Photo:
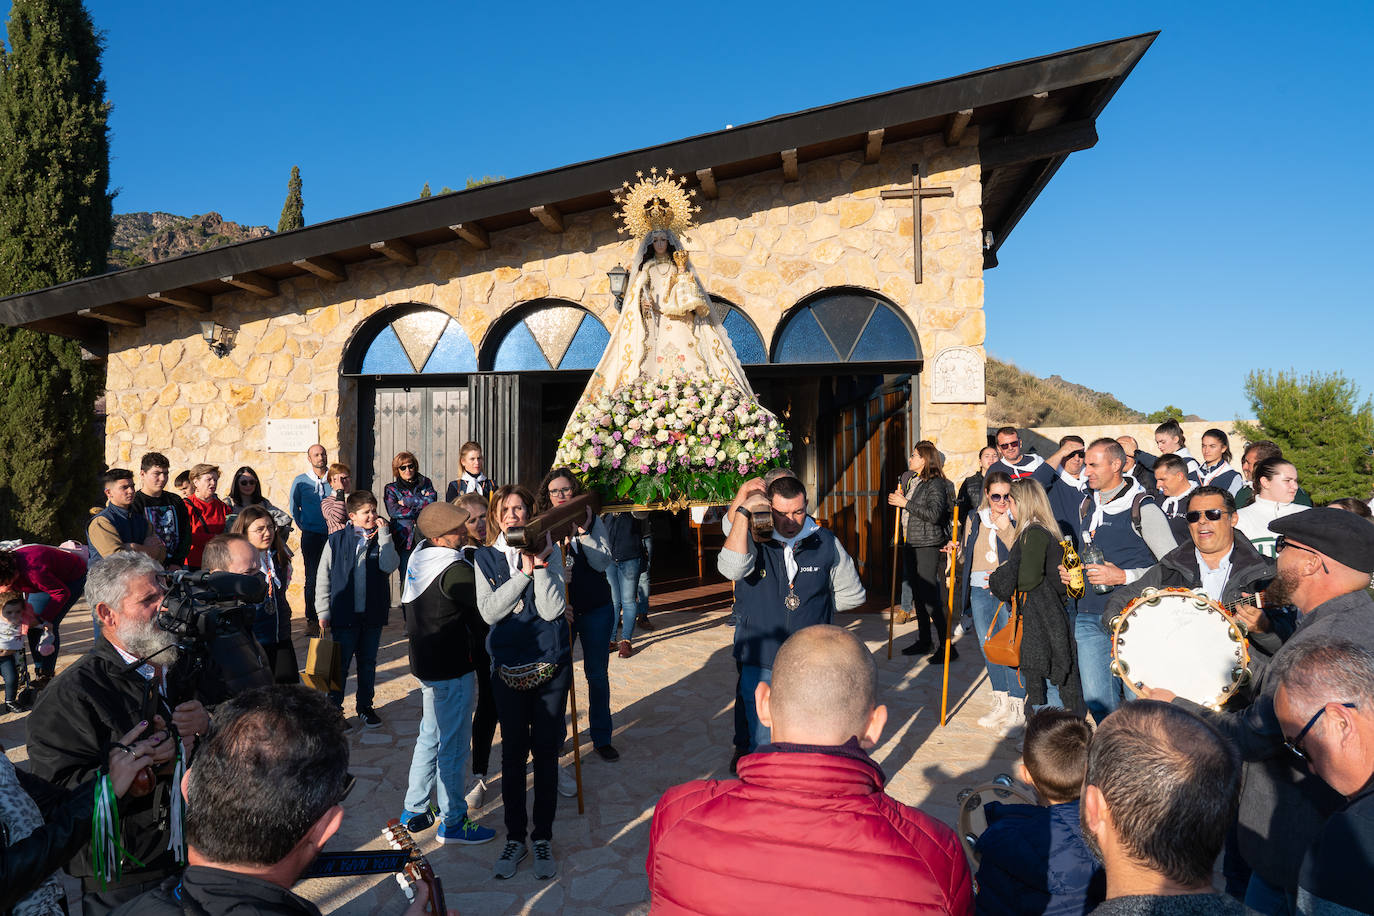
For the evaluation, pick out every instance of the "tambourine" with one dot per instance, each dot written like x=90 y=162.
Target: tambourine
x=1180 y=640
x=972 y=821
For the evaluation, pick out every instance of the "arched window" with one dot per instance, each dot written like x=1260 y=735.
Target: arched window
x=744 y=337
x=423 y=340
x=548 y=334
x=845 y=326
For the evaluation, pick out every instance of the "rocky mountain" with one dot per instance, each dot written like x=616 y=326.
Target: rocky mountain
x=1018 y=398
x=140 y=238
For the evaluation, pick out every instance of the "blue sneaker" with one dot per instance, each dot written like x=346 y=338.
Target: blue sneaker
x=466 y=834
x=415 y=821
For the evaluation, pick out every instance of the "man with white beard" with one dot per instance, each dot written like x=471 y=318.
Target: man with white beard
x=99 y=698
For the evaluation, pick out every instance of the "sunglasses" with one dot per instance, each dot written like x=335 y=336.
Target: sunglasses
x=1015 y=443
x=406 y=467
x=1295 y=746
x=1080 y=453
x=999 y=497
x=247 y=480
x=1196 y=515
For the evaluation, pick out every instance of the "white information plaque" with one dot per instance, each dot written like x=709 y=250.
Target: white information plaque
x=292 y=435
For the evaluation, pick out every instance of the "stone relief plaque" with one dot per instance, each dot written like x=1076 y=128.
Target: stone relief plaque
x=292 y=435
x=956 y=377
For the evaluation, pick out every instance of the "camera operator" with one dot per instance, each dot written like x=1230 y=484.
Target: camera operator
x=103 y=696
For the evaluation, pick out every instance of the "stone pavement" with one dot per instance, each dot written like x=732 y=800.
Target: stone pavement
x=671 y=705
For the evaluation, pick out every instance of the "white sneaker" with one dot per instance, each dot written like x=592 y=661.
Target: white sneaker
x=567 y=783
x=477 y=793
x=1014 y=722
x=998 y=712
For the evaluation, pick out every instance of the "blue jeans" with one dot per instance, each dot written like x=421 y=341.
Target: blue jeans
x=1101 y=688
x=624 y=578
x=987 y=618
x=438 y=764
x=9 y=670
x=362 y=642
x=750 y=676
x=46 y=665
x=594 y=629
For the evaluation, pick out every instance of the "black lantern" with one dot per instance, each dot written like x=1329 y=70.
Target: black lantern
x=220 y=338
x=618 y=277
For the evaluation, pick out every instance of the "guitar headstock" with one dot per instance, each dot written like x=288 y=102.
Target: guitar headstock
x=417 y=870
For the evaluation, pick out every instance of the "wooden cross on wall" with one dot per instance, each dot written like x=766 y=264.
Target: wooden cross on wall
x=916 y=193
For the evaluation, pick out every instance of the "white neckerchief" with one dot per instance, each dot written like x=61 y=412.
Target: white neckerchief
x=427 y=563
x=1209 y=472
x=1171 y=503
x=512 y=553
x=1212 y=582
x=1117 y=504
x=809 y=526
x=1026 y=469
x=469 y=484
x=1078 y=483
x=321 y=483
x=985 y=516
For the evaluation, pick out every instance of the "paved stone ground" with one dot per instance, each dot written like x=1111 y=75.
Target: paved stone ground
x=673 y=722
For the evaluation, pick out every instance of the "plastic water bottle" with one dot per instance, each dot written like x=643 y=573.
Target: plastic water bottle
x=1092 y=556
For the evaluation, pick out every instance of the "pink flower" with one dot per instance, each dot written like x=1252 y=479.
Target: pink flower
x=663 y=468
x=710 y=462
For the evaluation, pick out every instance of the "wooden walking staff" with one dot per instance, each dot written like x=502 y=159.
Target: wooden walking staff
x=577 y=740
x=949 y=621
x=892 y=608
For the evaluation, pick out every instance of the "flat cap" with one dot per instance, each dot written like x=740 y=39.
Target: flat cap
x=439 y=519
x=1343 y=536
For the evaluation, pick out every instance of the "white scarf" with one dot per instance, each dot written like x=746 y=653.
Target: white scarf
x=1078 y=483
x=1026 y=469
x=985 y=516
x=427 y=563
x=512 y=553
x=1172 y=502
x=1122 y=502
x=809 y=526
x=1208 y=473
x=469 y=484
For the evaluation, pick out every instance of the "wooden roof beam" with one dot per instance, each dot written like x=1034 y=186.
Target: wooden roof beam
x=261 y=286
x=193 y=300
x=707 y=178
x=122 y=315
x=398 y=250
x=1059 y=140
x=790 y=170
x=324 y=267
x=473 y=234
x=957 y=124
x=549 y=215
x=873 y=149
x=1026 y=110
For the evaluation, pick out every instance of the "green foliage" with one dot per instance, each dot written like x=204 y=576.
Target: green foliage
x=485 y=179
x=425 y=191
x=1167 y=412
x=1321 y=426
x=55 y=226
x=293 y=211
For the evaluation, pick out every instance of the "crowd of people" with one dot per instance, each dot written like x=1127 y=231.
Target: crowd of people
x=1138 y=799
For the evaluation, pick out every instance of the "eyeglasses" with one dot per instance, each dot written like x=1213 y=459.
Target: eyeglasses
x=1080 y=453
x=999 y=497
x=245 y=481
x=1295 y=746
x=1281 y=543
x=1015 y=443
x=406 y=467
x=1196 y=515
x=561 y=491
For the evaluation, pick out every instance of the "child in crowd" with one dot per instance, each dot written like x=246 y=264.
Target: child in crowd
x=11 y=644
x=353 y=593
x=1033 y=858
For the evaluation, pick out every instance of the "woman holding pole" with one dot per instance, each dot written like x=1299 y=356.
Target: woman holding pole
x=928 y=502
x=520 y=596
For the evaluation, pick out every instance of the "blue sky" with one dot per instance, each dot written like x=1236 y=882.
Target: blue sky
x=1214 y=229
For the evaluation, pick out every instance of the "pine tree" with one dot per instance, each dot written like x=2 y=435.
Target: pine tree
x=1322 y=428
x=425 y=191
x=293 y=211
x=55 y=226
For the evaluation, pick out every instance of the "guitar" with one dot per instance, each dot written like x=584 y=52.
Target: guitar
x=416 y=869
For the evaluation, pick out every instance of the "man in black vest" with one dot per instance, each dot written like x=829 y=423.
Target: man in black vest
x=1171 y=476
x=797 y=578
x=117 y=526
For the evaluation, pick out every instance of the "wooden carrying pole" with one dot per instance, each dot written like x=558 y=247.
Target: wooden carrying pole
x=892 y=608
x=577 y=740
x=949 y=620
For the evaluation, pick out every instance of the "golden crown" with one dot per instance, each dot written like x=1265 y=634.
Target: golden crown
x=656 y=202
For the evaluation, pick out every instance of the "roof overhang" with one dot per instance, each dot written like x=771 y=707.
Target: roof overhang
x=1030 y=116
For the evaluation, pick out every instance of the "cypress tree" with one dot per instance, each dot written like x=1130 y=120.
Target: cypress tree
x=293 y=211
x=55 y=226
x=425 y=191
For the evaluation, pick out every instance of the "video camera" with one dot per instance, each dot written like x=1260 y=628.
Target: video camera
x=211 y=616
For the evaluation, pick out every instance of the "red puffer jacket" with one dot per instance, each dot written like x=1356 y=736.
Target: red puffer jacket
x=802 y=831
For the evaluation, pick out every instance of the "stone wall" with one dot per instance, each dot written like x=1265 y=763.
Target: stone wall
x=1045 y=439
x=764 y=245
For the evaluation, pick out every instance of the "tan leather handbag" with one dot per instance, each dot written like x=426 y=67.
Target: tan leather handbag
x=1003 y=646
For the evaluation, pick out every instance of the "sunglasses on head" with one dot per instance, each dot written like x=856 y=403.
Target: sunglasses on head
x=1196 y=515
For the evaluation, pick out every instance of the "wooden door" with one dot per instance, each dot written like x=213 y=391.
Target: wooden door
x=431 y=422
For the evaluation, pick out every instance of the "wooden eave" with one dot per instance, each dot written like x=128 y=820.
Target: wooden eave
x=1034 y=112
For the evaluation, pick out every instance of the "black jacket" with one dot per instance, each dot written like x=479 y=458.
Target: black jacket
x=1048 y=647
x=1250 y=573
x=206 y=891
x=929 y=512
x=87 y=707
x=26 y=863
x=970 y=494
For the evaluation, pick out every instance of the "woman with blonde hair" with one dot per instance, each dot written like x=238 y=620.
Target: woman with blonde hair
x=1049 y=657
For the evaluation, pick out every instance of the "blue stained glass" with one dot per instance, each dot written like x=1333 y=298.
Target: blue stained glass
x=803 y=341
x=386 y=356
x=453 y=352
x=587 y=345
x=885 y=338
x=746 y=341
x=518 y=351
